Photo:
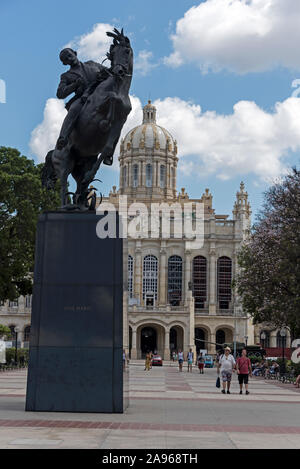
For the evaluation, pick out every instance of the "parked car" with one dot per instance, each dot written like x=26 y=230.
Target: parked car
x=157 y=360
x=208 y=361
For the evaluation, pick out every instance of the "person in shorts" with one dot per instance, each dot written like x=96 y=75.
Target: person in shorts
x=190 y=359
x=201 y=364
x=226 y=366
x=180 y=359
x=244 y=368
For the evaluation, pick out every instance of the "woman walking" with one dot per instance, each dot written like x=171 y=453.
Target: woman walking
x=180 y=359
x=148 y=361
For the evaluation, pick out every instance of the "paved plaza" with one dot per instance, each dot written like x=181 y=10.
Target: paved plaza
x=167 y=409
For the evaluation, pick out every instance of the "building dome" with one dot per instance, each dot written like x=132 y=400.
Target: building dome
x=149 y=135
x=148 y=160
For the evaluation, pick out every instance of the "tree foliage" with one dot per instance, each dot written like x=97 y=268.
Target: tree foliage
x=5 y=331
x=269 y=280
x=22 y=199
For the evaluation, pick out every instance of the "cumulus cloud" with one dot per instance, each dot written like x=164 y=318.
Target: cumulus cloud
x=238 y=35
x=250 y=140
x=143 y=63
x=44 y=136
x=93 y=45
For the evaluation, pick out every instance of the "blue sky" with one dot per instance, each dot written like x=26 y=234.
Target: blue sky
x=254 y=60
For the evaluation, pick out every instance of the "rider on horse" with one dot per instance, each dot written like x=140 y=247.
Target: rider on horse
x=81 y=79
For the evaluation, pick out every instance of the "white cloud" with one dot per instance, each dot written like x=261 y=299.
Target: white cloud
x=238 y=35
x=143 y=64
x=93 y=45
x=248 y=141
x=44 y=136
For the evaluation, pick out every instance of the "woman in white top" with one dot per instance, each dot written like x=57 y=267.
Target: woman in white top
x=226 y=365
x=180 y=359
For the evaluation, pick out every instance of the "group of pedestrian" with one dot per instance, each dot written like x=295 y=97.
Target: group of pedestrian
x=227 y=364
x=190 y=360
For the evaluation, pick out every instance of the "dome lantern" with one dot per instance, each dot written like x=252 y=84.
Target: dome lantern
x=149 y=113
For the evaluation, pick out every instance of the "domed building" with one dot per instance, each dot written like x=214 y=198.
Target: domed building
x=148 y=160
x=178 y=296
x=176 y=293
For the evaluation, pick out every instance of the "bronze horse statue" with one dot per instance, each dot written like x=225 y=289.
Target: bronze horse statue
x=97 y=129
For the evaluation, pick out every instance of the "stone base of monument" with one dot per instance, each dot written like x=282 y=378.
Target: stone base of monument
x=75 y=362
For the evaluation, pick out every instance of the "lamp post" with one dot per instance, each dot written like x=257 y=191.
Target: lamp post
x=16 y=330
x=283 y=336
x=263 y=337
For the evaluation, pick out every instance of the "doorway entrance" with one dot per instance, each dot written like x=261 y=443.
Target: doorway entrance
x=148 y=340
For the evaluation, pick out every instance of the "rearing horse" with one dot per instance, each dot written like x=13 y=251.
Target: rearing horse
x=97 y=129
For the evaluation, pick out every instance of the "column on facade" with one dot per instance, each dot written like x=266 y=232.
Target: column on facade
x=212 y=280
x=187 y=275
x=162 y=274
x=138 y=272
x=125 y=323
x=133 y=347
x=167 y=345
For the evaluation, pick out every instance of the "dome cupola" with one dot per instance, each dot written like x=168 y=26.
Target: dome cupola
x=148 y=160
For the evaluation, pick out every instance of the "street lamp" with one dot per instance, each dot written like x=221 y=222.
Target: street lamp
x=16 y=330
x=283 y=336
x=263 y=337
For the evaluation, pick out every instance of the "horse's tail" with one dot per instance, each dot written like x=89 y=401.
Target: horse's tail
x=49 y=177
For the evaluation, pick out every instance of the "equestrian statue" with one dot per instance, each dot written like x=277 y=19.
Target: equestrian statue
x=96 y=115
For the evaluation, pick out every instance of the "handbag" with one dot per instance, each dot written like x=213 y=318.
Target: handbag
x=218 y=382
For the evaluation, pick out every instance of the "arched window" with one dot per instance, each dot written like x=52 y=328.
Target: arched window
x=199 y=281
x=172 y=177
x=150 y=277
x=26 y=333
x=162 y=176
x=12 y=330
x=224 y=281
x=280 y=341
x=220 y=339
x=28 y=301
x=135 y=175
x=124 y=176
x=148 y=175
x=174 y=280
x=265 y=339
x=130 y=276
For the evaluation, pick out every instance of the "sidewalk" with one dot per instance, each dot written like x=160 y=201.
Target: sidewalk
x=167 y=409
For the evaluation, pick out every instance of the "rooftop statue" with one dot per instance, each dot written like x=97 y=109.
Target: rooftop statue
x=96 y=115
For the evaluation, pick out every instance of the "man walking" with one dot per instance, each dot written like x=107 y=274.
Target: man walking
x=190 y=359
x=226 y=365
x=243 y=365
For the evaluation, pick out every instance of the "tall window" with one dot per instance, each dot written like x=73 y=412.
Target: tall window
x=174 y=280
x=265 y=339
x=28 y=301
x=148 y=175
x=130 y=276
x=280 y=341
x=172 y=177
x=13 y=304
x=26 y=333
x=162 y=176
x=150 y=276
x=224 y=281
x=135 y=175
x=124 y=176
x=199 y=281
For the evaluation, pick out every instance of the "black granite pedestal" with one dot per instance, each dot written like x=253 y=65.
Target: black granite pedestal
x=75 y=362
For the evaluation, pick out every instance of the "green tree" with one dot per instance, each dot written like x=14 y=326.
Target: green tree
x=269 y=280
x=5 y=331
x=22 y=199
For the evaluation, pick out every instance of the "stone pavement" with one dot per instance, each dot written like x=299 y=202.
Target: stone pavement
x=167 y=409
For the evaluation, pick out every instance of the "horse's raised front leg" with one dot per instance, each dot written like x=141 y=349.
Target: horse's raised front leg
x=111 y=143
